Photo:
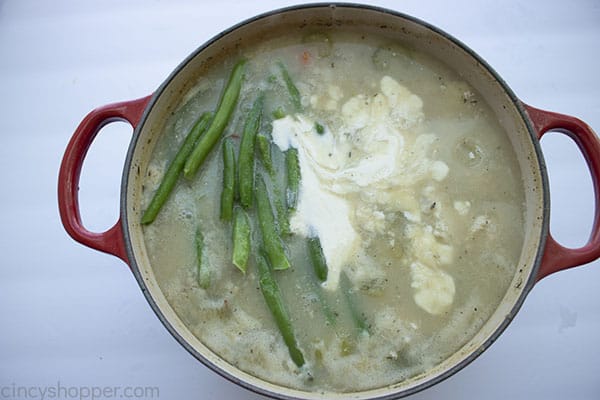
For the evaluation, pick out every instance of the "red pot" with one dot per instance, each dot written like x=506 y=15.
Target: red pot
x=524 y=124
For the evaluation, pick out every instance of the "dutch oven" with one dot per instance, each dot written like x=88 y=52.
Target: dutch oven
x=541 y=255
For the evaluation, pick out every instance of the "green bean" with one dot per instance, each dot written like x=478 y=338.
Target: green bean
x=319 y=128
x=330 y=315
x=291 y=87
x=274 y=300
x=203 y=271
x=359 y=318
x=241 y=238
x=246 y=156
x=228 y=193
x=293 y=177
x=328 y=312
x=283 y=218
x=268 y=228
x=222 y=115
x=264 y=150
x=170 y=178
x=317 y=258
x=315 y=252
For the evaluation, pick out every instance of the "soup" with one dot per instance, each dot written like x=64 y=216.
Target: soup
x=408 y=190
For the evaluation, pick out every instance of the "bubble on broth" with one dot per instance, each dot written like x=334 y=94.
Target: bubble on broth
x=470 y=153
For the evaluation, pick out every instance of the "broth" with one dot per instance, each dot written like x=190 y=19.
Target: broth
x=412 y=188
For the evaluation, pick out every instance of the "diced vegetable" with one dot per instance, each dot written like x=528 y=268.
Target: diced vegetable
x=382 y=57
x=319 y=128
x=278 y=113
x=388 y=56
x=347 y=347
x=219 y=122
x=321 y=41
x=170 y=178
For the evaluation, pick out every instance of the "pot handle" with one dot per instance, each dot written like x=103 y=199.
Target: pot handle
x=557 y=257
x=110 y=241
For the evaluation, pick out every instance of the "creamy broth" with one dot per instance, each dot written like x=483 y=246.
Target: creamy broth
x=412 y=187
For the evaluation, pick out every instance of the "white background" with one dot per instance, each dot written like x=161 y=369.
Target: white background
x=74 y=315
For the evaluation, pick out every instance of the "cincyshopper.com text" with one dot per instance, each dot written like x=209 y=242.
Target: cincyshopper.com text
x=71 y=392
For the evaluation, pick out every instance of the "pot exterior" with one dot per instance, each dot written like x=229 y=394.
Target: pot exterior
x=509 y=110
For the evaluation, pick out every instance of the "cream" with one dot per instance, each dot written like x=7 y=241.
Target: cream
x=366 y=155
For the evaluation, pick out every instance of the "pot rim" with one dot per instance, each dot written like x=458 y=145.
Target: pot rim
x=393 y=393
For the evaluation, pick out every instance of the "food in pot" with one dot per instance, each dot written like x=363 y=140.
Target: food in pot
x=355 y=221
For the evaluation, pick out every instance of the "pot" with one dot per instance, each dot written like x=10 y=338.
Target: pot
x=525 y=125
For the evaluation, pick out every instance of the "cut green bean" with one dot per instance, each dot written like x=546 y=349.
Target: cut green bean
x=293 y=177
x=222 y=116
x=315 y=251
x=228 y=193
x=246 y=156
x=319 y=128
x=266 y=221
x=328 y=312
x=241 y=239
x=274 y=300
x=203 y=271
x=291 y=87
x=170 y=178
x=264 y=151
x=283 y=217
x=358 y=317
